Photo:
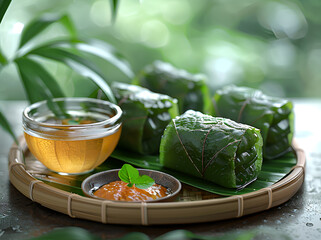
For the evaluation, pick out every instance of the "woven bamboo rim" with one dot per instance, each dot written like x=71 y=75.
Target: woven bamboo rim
x=77 y=206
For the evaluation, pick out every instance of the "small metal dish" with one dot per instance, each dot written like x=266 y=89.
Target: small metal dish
x=95 y=181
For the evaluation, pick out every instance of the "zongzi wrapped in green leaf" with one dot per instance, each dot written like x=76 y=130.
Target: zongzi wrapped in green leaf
x=216 y=149
x=189 y=89
x=145 y=116
x=273 y=116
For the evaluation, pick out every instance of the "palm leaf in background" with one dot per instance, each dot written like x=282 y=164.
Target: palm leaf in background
x=114 y=6
x=6 y=126
x=38 y=83
x=78 y=64
x=4 y=4
x=3 y=60
x=38 y=25
x=108 y=53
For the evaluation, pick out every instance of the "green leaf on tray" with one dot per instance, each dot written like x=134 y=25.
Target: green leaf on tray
x=272 y=171
x=64 y=187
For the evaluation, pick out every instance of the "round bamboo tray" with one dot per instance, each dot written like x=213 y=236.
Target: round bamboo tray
x=219 y=208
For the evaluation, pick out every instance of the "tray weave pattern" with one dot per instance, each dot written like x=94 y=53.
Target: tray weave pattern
x=194 y=205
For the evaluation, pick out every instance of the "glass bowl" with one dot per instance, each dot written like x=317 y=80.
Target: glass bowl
x=73 y=135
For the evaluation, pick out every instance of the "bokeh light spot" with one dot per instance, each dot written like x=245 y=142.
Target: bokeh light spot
x=176 y=12
x=154 y=34
x=283 y=20
x=100 y=13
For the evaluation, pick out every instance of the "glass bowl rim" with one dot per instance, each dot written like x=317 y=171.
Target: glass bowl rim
x=112 y=120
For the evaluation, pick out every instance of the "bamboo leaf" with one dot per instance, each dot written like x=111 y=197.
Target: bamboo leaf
x=69 y=25
x=114 y=7
x=3 y=59
x=4 y=4
x=78 y=64
x=108 y=53
x=95 y=47
x=38 y=83
x=6 y=126
x=38 y=25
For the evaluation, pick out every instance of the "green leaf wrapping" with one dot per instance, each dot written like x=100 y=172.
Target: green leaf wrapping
x=216 y=149
x=145 y=116
x=273 y=116
x=190 y=90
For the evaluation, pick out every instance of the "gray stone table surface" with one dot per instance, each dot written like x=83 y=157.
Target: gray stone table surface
x=299 y=218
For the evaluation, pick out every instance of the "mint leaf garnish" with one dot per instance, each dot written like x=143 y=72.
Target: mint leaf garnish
x=130 y=175
x=144 y=182
x=130 y=184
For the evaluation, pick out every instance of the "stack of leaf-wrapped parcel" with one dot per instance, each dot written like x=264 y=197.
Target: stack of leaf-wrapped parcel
x=189 y=89
x=226 y=147
x=145 y=116
x=273 y=116
x=215 y=149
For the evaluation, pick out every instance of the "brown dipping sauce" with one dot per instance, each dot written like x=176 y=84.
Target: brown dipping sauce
x=119 y=191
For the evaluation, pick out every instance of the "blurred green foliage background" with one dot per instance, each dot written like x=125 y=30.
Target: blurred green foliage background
x=274 y=45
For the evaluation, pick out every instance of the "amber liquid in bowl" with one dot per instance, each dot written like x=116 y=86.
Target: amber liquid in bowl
x=72 y=156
